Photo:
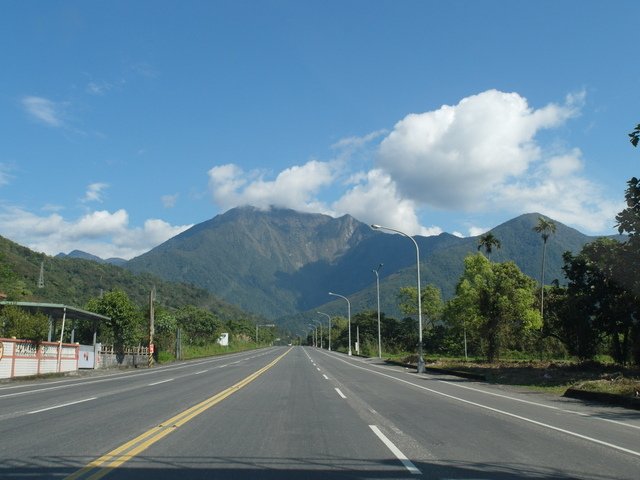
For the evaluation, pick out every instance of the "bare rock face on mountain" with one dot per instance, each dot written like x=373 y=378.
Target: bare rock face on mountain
x=250 y=255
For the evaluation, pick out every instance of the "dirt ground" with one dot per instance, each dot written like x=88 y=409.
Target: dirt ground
x=555 y=376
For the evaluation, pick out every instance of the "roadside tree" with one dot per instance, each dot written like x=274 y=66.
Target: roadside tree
x=200 y=326
x=126 y=325
x=498 y=302
x=599 y=277
x=545 y=228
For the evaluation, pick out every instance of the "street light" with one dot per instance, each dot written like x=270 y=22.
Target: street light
x=376 y=270
x=420 y=357
x=329 y=317
x=314 y=334
x=319 y=323
x=349 y=315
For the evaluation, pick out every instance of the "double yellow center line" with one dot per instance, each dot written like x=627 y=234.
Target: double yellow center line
x=101 y=466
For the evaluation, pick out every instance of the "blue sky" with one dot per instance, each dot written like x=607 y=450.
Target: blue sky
x=124 y=123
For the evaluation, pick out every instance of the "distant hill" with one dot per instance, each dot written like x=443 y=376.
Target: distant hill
x=87 y=256
x=282 y=263
x=73 y=281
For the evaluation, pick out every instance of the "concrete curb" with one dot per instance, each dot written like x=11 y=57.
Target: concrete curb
x=444 y=371
x=602 y=397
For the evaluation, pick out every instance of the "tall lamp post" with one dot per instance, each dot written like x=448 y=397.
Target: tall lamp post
x=329 y=318
x=314 y=334
x=420 y=357
x=319 y=323
x=376 y=271
x=349 y=315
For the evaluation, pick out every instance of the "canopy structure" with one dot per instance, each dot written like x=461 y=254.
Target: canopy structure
x=54 y=310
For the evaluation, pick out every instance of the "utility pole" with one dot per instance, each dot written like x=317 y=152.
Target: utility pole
x=152 y=298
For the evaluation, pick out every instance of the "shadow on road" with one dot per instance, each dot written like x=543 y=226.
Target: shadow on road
x=247 y=468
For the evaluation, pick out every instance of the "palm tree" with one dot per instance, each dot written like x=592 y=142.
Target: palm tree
x=545 y=227
x=488 y=241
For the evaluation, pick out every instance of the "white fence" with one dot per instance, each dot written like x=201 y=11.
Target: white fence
x=108 y=357
x=19 y=358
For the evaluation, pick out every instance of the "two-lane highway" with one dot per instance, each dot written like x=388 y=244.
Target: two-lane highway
x=303 y=413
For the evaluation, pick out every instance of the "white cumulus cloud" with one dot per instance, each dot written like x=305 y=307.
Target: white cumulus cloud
x=295 y=187
x=459 y=156
x=102 y=233
x=373 y=198
x=483 y=154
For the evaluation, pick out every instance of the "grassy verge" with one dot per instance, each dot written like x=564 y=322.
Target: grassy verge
x=626 y=387
x=190 y=352
x=547 y=376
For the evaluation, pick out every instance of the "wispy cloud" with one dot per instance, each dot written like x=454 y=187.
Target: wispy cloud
x=5 y=177
x=98 y=88
x=102 y=87
x=44 y=110
x=169 y=201
x=358 y=142
x=94 y=192
x=145 y=69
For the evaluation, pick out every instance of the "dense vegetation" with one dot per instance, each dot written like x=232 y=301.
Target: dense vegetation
x=120 y=295
x=497 y=312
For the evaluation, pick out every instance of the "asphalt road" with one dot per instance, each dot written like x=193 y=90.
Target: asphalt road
x=304 y=413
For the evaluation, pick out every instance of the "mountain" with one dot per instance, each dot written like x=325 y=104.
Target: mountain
x=280 y=263
x=87 y=256
x=264 y=261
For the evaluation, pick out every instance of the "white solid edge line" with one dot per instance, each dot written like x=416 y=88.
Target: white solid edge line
x=60 y=406
x=396 y=451
x=161 y=381
x=502 y=412
x=340 y=393
x=537 y=404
